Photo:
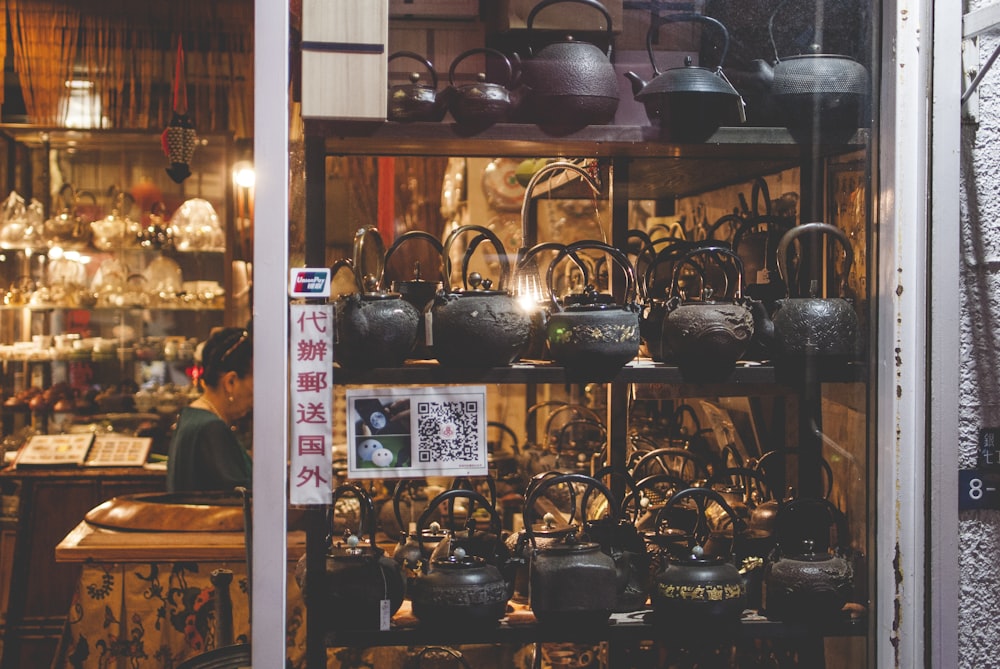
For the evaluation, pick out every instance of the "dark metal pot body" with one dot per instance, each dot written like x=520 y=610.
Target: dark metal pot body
x=359 y=576
x=815 y=326
x=572 y=582
x=808 y=577
x=481 y=103
x=415 y=101
x=819 y=94
x=707 y=338
x=479 y=326
x=413 y=287
x=803 y=584
x=460 y=591
x=688 y=103
x=594 y=334
x=699 y=594
x=374 y=330
x=546 y=534
x=572 y=83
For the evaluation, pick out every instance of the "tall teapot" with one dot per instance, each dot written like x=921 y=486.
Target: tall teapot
x=814 y=325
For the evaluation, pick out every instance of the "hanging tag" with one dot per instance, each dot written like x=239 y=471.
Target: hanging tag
x=429 y=328
x=384 y=615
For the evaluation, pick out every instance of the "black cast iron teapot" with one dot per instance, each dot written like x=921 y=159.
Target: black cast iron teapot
x=481 y=325
x=374 y=328
x=709 y=335
x=571 y=83
x=481 y=103
x=699 y=594
x=589 y=330
x=416 y=101
x=814 y=326
x=359 y=576
x=688 y=103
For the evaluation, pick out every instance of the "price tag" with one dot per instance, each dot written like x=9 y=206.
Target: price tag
x=384 y=614
x=978 y=489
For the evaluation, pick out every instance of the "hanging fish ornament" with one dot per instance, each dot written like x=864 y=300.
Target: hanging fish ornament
x=179 y=138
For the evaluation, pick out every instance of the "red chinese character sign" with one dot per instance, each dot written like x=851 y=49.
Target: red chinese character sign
x=416 y=432
x=311 y=403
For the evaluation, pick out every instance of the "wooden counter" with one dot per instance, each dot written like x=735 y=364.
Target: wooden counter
x=86 y=543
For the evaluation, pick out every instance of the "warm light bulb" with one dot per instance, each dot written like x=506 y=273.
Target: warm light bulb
x=244 y=174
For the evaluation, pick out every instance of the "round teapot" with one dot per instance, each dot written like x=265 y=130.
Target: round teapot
x=808 y=576
x=818 y=93
x=374 y=328
x=462 y=589
x=415 y=101
x=689 y=103
x=417 y=290
x=707 y=337
x=589 y=331
x=480 y=326
x=68 y=229
x=571 y=83
x=482 y=103
x=359 y=576
x=813 y=326
x=699 y=594
x=116 y=230
x=572 y=581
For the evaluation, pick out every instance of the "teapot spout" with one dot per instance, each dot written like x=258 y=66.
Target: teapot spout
x=637 y=82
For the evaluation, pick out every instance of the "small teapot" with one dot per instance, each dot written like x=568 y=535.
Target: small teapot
x=808 y=577
x=417 y=289
x=415 y=101
x=699 y=594
x=480 y=326
x=814 y=326
x=116 y=230
x=480 y=104
x=375 y=328
x=573 y=583
x=707 y=337
x=359 y=576
x=68 y=229
x=463 y=589
x=589 y=330
x=689 y=103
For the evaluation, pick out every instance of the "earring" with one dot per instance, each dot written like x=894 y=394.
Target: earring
x=230 y=398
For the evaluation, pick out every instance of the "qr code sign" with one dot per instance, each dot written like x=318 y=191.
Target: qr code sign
x=448 y=431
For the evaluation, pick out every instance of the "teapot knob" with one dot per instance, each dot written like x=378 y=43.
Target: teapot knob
x=459 y=553
x=435 y=527
x=697 y=552
x=475 y=279
x=414 y=77
x=353 y=541
x=549 y=519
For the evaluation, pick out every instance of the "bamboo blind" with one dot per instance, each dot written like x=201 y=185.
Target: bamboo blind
x=127 y=49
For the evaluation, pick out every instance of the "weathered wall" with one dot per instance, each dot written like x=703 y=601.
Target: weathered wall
x=979 y=560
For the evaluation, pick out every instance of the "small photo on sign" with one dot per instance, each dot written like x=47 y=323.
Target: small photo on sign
x=376 y=416
x=382 y=452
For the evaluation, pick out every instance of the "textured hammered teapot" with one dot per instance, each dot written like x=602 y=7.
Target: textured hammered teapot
x=815 y=326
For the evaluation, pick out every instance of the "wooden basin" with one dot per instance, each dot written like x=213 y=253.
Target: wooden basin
x=171 y=512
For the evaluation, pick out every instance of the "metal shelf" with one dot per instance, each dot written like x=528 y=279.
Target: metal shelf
x=623 y=627
x=658 y=168
x=746 y=378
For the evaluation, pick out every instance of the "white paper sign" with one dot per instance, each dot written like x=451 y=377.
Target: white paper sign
x=311 y=403
x=415 y=432
x=55 y=449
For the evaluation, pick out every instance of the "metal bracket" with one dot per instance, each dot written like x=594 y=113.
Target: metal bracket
x=970 y=70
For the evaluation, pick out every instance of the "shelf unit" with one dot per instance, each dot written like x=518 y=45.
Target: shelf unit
x=640 y=166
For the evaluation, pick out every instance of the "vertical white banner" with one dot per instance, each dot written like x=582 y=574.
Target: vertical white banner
x=311 y=403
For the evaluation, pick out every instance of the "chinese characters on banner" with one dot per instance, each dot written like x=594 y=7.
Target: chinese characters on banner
x=415 y=432
x=311 y=403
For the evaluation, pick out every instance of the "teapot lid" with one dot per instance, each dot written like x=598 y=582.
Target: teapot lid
x=590 y=298
x=459 y=560
x=698 y=557
x=352 y=548
x=688 y=79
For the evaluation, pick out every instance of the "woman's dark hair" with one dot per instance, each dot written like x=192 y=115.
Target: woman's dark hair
x=227 y=350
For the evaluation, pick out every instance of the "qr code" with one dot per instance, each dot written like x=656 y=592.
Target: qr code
x=448 y=431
